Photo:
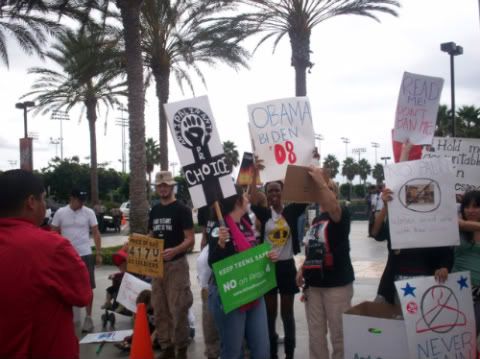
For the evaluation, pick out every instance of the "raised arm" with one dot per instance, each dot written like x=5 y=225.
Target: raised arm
x=326 y=196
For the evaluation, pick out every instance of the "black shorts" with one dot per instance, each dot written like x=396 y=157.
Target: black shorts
x=89 y=261
x=286 y=273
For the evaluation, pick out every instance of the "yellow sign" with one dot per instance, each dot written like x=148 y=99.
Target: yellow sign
x=145 y=255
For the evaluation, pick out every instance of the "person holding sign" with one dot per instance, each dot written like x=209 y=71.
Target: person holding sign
x=467 y=255
x=327 y=272
x=171 y=294
x=249 y=322
x=410 y=262
x=279 y=228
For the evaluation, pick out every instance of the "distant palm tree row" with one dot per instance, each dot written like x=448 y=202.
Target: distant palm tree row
x=350 y=169
x=164 y=37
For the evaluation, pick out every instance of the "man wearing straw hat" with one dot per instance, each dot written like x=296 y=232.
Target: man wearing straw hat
x=171 y=295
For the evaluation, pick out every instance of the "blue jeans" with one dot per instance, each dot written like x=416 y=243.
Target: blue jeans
x=236 y=326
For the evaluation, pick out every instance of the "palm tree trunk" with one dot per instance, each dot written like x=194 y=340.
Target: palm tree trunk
x=162 y=82
x=92 y=119
x=300 y=44
x=130 y=11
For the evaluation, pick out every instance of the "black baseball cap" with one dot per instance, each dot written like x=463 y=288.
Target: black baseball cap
x=80 y=194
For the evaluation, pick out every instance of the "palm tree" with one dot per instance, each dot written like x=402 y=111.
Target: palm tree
x=378 y=174
x=331 y=163
x=178 y=35
x=297 y=18
x=349 y=168
x=364 y=169
x=91 y=60
x=130 y=18
x=444 y=121
x=29 y=30
x=231 y=154
x=468 y=121
x=153 y=158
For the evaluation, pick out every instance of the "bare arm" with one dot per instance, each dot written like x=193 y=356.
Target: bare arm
x=98 y=244
x=387 y=195
x=326 y=197
x=405 y=152
x=468 y=226
x=255 y=198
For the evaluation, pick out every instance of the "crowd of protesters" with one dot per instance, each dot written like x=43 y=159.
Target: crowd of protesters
x=59 y=272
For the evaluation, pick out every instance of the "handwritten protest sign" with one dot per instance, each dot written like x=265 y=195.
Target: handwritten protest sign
x=439 y=317
x=423 y=212
x=145 y=255
x=129 y=290
x=244 y=277
x=282 y=134
x=417 y=108
x=299 y=186
x=106 y=337
x=465 y=156
x=200 y=150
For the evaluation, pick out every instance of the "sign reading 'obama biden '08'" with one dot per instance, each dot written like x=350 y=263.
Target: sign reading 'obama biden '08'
x=282 y=134
x=200 y=150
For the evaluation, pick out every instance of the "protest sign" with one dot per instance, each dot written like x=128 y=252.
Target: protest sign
x=299 y=186
x=129 y=290
x=465 y=156
x=145 y=255
x=417 y=108
x=106 y=337
x=282 y=134
x=439 y=317
x=423 y=212
x=244 y=277
x=200 y=151
x=247 y=168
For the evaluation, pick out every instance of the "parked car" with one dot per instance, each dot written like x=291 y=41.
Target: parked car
x=125 y=208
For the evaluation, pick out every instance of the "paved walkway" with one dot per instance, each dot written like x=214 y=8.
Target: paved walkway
x=368 y=258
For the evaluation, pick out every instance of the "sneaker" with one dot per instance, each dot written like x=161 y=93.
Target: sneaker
x=87 y=325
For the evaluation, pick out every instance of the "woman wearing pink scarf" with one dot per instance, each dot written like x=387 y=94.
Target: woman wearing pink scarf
x=249 y=322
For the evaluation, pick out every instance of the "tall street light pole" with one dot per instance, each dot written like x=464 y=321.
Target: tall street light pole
x=453 y=50
x=60 y=116
x=26 y=145
x=346 y=141
x=375 y=145
x=386 y=158
x=123 y=123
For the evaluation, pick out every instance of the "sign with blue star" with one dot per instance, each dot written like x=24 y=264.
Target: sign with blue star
x=462 y=282
x=436 y=314
x=409 y=290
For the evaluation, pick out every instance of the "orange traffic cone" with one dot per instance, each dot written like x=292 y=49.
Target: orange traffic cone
x=141 y=343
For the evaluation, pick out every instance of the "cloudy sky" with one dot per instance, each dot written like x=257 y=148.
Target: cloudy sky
x=353 y=86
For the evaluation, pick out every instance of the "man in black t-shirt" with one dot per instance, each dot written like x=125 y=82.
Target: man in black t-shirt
x=171 y=295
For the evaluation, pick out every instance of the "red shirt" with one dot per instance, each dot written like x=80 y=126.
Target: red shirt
x=41 y=278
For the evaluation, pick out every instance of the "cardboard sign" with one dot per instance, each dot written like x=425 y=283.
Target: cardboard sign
x=282 y=134
x=145 y=255
x=417 y=109
x=465 y=156
x=247 y=169
x=200 y=151
x=106 y=337
x=129 y=290
x=423 y=212
x=299 y=186
x=439 y=317
x=244 y=277
x=374 y=330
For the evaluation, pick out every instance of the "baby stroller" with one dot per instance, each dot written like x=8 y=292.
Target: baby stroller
x=111 y=305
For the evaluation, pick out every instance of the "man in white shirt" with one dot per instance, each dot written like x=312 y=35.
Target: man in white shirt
x=74 y=221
